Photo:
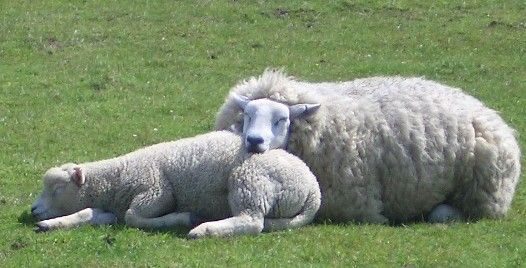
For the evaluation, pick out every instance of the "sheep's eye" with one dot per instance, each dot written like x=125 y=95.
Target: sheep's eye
x=58 y=190
x=247 y=117
x=279 y=121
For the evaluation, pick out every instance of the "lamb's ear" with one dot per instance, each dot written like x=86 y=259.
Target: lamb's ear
x=241 y=101
x=302 y=110
x=78 y=176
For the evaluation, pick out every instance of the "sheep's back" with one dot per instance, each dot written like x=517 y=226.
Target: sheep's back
x=390 y=144
x=408 y=143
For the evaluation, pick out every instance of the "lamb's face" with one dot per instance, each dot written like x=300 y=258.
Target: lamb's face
x=266 y=123
x=60 y=195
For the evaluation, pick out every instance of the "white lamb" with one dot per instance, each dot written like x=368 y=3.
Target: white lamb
x=168 y=184
x=383 y=148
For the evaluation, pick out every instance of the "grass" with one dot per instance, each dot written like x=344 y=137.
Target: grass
x=86 y=80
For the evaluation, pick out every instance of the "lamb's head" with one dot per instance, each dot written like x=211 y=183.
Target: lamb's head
x=266 y=123
x=61 y=192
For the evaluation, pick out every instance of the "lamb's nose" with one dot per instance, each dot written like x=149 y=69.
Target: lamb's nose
x=254 y=140
x=33 y=209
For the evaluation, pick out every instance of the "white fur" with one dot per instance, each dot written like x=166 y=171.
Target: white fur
x=208 y=176
x=388 y=148
x=266 y=123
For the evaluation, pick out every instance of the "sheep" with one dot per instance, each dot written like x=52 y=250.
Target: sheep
x=384 y=149
x=208 y=177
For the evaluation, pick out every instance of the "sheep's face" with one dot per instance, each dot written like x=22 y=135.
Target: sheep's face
x=266 y=123
x=60 y=196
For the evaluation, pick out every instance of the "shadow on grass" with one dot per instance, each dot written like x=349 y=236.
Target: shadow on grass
x=391 y=223
x=179 y=232
x=27 y=219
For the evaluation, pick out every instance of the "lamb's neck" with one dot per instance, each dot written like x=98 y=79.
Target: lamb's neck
x=101 y=177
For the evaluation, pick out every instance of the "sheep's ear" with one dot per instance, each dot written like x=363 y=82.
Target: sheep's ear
x=302 y=110
x=241 y=101
x=78 y=176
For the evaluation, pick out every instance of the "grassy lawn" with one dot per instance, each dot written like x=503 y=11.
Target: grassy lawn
x=85 y=80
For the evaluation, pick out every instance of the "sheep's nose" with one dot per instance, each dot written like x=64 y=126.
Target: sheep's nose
x=34 y=211
x=254 y=140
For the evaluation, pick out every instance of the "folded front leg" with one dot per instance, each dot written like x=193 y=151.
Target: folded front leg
x=92 y=216
x=237 y=225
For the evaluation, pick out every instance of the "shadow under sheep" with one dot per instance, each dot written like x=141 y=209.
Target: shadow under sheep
x=26 y=219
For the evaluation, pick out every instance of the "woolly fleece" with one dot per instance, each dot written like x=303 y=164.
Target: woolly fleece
x=393 y=148
x=209 y=175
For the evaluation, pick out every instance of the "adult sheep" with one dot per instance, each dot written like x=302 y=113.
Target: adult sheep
x=383 y=148
x=168 y=184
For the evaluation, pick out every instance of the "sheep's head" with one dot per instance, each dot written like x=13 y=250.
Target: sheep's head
x=266 y=122
x=61 y=192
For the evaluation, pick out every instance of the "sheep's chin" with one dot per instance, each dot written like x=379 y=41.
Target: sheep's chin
x=258 y=149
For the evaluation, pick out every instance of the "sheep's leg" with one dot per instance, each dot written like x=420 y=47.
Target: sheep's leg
x=496 y=171
x=444 y=213
x=92 y=216
x=148 y=211
x=237 y=225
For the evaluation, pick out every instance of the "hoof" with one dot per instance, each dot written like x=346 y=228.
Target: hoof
x=200 y=231
x=444 y=213
x=193 y=236
x=41 y=227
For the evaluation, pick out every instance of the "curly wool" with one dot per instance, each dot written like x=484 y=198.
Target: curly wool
x=393 y=148
x=209 y=175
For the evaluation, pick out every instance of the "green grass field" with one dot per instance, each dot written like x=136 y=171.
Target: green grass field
x=87 y=80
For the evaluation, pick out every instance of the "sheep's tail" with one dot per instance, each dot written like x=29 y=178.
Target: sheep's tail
x=306 y=215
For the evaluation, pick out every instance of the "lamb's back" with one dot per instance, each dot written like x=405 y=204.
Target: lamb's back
x=194 y=169
x=197 y=170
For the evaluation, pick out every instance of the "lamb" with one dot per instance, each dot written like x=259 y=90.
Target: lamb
x=208 y=177
x=384 y=149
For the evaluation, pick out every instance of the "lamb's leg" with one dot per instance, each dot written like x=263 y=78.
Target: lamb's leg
x=162 y=222
x=237 y=225
x=148 y=211
x=92 y=216
x=307 y=214
x=444 y=213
